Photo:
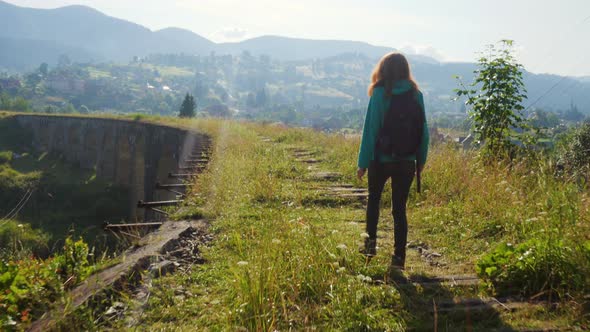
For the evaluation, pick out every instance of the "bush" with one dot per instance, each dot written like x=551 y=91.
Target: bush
x=5 y=157
x=28 y=287
x=574 y=151
x=73 y=264
x=496 y=98
x=538 y=266
x=21 y=240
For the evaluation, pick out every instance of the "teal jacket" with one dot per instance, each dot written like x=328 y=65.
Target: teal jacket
x=378 y=105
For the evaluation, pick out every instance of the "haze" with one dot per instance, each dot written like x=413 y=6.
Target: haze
x=550 y=35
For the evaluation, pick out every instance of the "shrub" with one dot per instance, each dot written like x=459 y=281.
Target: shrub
x=73 y=264
x=21 y=240
x=495 y=98
x=28 y=287
x=5 y=157
x=537 y=266
x=574 y=151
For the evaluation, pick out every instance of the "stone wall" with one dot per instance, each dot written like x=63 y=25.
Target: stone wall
x=133 y=154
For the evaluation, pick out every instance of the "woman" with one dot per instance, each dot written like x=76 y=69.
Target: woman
x=391 y=77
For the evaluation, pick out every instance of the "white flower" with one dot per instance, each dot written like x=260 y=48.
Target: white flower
x=341 y=246
x=242 y=263
x=276 y=241
x=365 y=235
x=364 y=278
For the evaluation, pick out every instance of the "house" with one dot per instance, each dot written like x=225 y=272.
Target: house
x=435 y=136
x=465 y=141
x=67 y=85
x=10 y=85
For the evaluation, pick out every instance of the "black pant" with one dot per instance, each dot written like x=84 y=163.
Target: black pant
x=402 y=175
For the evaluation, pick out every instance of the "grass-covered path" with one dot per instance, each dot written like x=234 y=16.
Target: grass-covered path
x=287 y=222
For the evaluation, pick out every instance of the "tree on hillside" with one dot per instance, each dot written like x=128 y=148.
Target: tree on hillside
x=63 y=61
x=496 y=98
x=261 y=98
x=44 y=69
x=187 y=109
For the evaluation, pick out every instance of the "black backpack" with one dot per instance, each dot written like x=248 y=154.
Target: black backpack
x=401 y=132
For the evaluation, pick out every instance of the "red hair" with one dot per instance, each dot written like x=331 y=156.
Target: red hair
x=393 y=67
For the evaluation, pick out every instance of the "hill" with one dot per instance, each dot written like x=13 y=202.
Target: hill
x=30 y=36
x=119 y=40
x=75 y=27
x=285 y=229
x=181 y=41
x=285 y=48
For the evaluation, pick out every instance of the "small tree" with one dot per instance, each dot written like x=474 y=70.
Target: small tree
x=187 y=109
x=574 y=151
x=495 y=98
x=44 y=69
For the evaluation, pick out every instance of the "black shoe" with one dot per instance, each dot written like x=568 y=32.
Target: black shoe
x=370 y=248
x=397 y=262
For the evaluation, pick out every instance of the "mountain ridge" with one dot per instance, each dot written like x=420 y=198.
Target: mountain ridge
x=119 y=40
x=30 y=36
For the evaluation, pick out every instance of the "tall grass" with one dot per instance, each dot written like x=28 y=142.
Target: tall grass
x=280 y=261
x=283 y=259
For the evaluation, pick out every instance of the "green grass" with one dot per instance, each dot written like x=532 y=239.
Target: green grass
x=167 y=71
x=285 y=258
x=97 y=73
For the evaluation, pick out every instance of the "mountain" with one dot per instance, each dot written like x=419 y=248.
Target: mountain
x=34 y=52
x=83 y=29
x=31 y=36
x=286 y=48
x=549 y=92
x=76 y=27
x=181 y=41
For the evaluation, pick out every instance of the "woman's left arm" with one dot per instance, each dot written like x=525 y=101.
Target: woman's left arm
x=370 y=129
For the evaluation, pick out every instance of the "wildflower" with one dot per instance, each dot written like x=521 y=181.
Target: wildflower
x=364 y=278
x=341 y=270
x=242 y=263
x=341 y=246
x=364 y=235
x=276 y=241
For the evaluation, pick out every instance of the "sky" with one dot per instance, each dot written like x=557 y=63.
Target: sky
x=550 y=36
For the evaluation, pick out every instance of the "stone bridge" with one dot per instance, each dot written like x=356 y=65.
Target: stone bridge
x=130 y=153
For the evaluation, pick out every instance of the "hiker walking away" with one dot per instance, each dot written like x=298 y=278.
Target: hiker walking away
x=394 y=145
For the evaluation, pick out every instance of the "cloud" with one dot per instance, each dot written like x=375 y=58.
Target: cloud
x=230 y=34
x=427 y=50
